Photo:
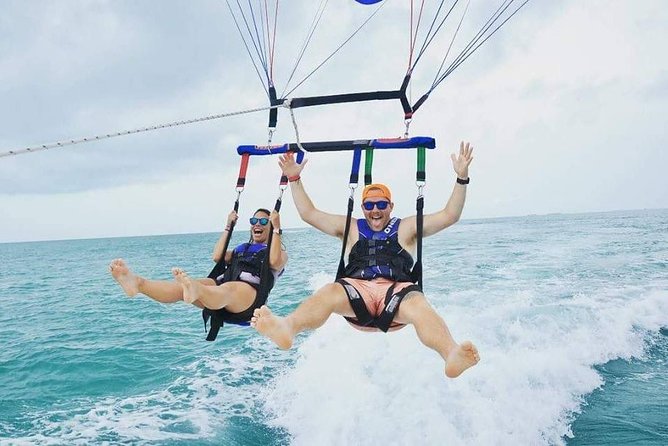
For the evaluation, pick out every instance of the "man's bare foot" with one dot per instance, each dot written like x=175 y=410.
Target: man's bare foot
x=461 y=358
x=273 y=327
x=128 y=280
x=190 y=290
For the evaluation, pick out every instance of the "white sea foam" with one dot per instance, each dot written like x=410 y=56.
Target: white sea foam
x=537 y=365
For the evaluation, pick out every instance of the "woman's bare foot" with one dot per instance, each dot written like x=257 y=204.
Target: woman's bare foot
x=461 y=358
x=273 y=327
x=190 y=287
x=128 y=280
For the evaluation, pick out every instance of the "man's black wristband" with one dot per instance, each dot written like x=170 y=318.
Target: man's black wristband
x=466 y=181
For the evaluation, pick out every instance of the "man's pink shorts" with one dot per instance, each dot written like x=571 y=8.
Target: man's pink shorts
x=373 y=292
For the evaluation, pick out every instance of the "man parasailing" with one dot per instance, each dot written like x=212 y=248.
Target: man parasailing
x=377 y=278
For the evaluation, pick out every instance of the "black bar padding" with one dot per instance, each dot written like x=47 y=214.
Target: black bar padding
x=408 y=110
x=345 y=98
x=420 y=102
x=273 y=113
x=404 y=83
x=331 y=146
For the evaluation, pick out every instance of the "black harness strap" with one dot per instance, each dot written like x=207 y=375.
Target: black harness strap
x=362 y=315
x=221 y=266
x=346 y=231
x=354 y=178
x=216 y=323
x=416 y=274
x=392 y=301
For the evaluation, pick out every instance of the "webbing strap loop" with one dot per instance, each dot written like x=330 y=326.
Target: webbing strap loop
x=368 y=166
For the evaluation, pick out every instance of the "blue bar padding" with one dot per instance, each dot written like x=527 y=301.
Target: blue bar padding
x=410 y=143
x=262 y=150
x=355 y=169
x=300 y=157
x=336 y=146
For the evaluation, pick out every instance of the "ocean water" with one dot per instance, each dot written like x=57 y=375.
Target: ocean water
x=570 y=313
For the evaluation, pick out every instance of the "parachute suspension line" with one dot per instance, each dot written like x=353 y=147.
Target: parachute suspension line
x=504 y=5
x=72 y=142
x=431 y=35
x=438 y=73
x=410 y=41
x=271 y=36
x=263 y=35
x=273 y=42
x=307 y=41
x=250 y=54
x=476 y=43
x=257 y=39
x=414 y=34
x=338 y=48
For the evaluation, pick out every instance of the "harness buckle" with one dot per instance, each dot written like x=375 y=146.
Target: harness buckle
x=352 y=187
x=420 y=185
x=407 y=123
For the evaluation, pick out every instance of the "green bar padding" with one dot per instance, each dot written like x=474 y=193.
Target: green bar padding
x=368 y=166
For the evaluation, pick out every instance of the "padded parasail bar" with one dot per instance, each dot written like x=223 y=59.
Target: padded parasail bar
x=336 y=146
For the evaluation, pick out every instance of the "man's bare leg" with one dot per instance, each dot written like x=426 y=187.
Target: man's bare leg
x=309 y=315
x=434 y=333
x=233 y=296
x=163 y=291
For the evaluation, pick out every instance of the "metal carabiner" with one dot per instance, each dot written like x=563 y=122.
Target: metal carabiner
x=420 y=185
x=407 y=123
x=352 y=187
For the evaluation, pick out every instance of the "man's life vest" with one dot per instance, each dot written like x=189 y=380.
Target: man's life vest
x=379 y=254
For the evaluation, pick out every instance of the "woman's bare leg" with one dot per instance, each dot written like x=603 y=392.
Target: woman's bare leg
x=233 y=296
x=164 y=291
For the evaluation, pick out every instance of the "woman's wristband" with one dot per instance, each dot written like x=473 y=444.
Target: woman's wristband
x=463 y=181
x=293 y=179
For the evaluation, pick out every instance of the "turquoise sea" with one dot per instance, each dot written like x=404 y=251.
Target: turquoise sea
x=570 y=313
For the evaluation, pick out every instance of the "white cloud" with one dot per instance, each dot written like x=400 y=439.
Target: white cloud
x=564 y=106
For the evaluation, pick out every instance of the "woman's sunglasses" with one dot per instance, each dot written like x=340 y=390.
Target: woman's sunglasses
x=263 y=221
x=381 y=205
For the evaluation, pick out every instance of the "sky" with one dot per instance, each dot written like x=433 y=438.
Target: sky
x=565 y=107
